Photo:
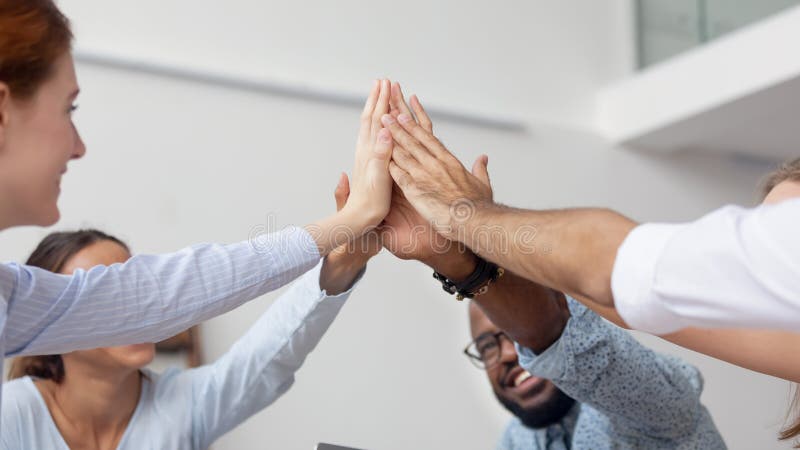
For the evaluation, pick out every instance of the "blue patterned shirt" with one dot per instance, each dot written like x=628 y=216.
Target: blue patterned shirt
x=628 y=396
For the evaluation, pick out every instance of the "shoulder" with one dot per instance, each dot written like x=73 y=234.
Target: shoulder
x=517 y=436
x=166 y=385
x=20 y=393
x=8 y=279
x=174 y=389
x=23 y=410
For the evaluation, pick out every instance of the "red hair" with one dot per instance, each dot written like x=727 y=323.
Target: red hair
x=33 y=34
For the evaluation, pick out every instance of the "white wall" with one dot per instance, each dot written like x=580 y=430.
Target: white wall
x=172 y=163
x=479 y=57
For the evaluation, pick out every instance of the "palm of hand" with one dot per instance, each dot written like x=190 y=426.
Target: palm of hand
x=406 y=234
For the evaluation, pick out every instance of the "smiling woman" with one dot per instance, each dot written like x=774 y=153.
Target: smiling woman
x=37 y=90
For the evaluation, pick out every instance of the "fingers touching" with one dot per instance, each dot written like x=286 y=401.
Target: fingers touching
x=381 y=106
x=398 y=103
x=376 y=106
x=366 y=114
x=399 y=106
x=422 y=116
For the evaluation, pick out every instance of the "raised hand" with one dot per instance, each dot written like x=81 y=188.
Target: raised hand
x=343 y=265
x=433 y=181
x=369 y=244
x=371 y=184
x=406 y=233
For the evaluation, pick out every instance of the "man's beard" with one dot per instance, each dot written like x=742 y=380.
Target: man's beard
x=551 y=411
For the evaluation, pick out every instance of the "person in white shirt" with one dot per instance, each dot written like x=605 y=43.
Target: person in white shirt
x=148 y=298
x=772 y=352
x=104 y=398
x=735 y=267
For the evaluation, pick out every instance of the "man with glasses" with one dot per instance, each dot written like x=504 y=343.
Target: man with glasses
x=578 y=382
x=597 y=387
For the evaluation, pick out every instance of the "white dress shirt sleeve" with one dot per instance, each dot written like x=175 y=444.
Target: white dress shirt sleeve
x=146 y=299
x=735 y=267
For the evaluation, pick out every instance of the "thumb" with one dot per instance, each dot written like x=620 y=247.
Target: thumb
x=383 y=146
x=480 y=170
x=342 y=191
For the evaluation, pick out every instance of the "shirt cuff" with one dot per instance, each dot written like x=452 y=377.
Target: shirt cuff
x=555 y=362
x=312 y=287
x=633 y=279
x=550 y=364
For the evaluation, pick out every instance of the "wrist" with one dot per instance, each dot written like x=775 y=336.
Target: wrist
x=456 y=264
x=480 y=225
x=350 y=255
x=340 y=270
x=359 y=218
x=350 y=226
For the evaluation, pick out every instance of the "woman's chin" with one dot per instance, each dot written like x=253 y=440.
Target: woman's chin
x=47 y=216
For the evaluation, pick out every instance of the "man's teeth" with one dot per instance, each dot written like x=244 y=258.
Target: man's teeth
x=521 y=377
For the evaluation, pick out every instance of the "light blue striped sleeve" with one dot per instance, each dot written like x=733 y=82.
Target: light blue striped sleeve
x=147 y=298
x=261 y=365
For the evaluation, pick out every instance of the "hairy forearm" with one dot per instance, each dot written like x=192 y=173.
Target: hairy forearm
x=534 y=316
x=571 y=251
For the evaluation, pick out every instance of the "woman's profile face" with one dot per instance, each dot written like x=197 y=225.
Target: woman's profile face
x=125 y=357
x=37 y=139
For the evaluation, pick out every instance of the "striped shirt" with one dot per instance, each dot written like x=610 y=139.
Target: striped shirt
x=146 y=299
x=190 y=409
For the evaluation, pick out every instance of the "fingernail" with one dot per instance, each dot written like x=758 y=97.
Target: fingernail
x=384 y=136
x=403 y=118
x=387 y=119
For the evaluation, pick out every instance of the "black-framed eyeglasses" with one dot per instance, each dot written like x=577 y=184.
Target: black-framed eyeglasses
x=485 y=351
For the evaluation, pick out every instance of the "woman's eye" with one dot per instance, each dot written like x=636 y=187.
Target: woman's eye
x=73 y=108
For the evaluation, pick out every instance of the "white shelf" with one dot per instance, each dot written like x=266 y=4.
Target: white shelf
x=739 y=94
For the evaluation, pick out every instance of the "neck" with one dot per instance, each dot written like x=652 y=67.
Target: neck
x=97 y=400
x=5 y=215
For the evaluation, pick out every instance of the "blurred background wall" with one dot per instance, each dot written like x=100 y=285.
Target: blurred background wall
x=204 y=120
